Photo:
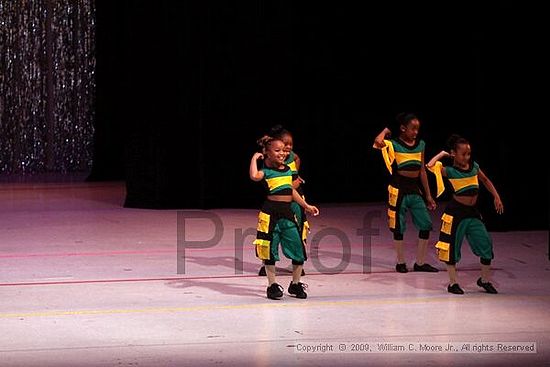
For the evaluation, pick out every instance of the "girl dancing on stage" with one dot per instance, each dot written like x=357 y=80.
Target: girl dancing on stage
x=293 y=161
x=461 y=217
x=276 y=221
x=404 y=158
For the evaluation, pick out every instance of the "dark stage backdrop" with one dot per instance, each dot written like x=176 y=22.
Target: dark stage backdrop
x=47 y=86
x=184 y=89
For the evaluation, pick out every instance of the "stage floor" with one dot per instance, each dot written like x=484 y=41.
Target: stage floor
x=86 y=282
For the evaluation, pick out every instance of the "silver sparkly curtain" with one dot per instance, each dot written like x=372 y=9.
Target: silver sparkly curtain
x=47 y=85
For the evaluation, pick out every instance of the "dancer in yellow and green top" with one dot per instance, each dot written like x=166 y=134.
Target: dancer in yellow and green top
x=408 y=189
x=461 y=217
x=293 y=161
x=276 y=221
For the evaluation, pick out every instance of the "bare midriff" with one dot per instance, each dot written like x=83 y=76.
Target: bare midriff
x=282 y=198
x=411 y=174
x=466 y=200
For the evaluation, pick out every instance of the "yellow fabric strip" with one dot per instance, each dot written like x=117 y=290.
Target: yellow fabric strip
x=262 y=248
x=276 y=182
x=460 y=183
x=402 y=158
x=393 y=193
x=436 y=170
x=442 y=250
x=446 y=223
x=260 y=242
x=292 y=166
x=388 y=154
x=305 y=230
x=391 y=219
x=263 y=222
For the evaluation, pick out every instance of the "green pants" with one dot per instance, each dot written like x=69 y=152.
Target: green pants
x=277 y=225
x=459 y=221
x=286 y=233
x=419 y=213
x=475 y=232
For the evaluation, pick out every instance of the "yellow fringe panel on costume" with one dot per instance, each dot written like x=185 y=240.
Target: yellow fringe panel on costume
x=305 y=230
x=393 y=193
x=442 y=250
x=446 y=223
x=436 y=170
x=262 y=248
x=391 y=218
x=263 y=222
x=388 y=154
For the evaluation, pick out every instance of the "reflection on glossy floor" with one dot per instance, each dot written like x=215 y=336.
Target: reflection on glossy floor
x=86 y=282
